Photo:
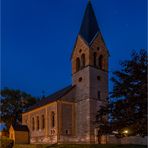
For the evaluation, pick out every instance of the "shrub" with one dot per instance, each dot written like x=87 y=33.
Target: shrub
x=6 y=143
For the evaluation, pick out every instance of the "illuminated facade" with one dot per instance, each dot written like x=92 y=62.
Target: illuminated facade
x=68 y=116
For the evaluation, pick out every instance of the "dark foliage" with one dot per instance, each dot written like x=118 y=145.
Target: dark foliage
x=130 y=94
x=13 y=103
x=6 y=143
x=102 y=119
x=128 y=108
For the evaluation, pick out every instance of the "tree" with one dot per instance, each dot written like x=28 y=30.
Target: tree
x=13 y=103
x=130 y=94
x=102 y=119
x=127 y=106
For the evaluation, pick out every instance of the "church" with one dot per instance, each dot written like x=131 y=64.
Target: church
x=68 y=115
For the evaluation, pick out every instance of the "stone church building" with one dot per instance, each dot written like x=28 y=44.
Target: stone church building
x=68 y=116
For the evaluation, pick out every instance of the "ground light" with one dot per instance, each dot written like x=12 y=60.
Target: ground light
x=125 y=131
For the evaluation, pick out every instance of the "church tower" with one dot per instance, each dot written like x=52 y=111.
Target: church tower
x=89 y=75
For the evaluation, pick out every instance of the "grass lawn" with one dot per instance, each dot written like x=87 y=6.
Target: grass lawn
x=80 y=146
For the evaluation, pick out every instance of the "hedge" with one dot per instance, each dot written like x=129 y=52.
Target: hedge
x=6 y=143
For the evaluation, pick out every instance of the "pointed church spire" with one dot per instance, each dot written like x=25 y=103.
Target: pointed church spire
x=89 y=27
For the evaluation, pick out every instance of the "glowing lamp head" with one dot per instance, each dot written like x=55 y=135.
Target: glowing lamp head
x=125 y=131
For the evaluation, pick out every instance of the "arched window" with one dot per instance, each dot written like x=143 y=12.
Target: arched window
x=99 y=95
x=95 y=56
x=26 y=121
x=78 y=64
x=38 y=124
x=101 y=66
x=33 y=124
x=83 y=60
x=52 y=119
x=43 y=122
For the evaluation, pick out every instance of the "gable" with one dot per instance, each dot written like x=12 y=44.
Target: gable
x=99 y=42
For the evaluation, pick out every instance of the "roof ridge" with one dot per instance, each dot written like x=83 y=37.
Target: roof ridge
x=58 y=90
x=51 y=98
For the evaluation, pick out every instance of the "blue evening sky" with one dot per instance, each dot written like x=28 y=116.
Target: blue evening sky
x=38 y=37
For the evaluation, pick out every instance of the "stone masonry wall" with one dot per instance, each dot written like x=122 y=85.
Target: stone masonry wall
x=111 y=139
x=89 y=80
x=82 y=106
x=48 y=134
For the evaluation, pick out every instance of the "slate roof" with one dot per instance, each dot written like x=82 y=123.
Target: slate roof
x=17 y=127
x=51 y=98
x=89 y=27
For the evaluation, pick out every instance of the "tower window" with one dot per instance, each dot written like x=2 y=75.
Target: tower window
x=101 y=62
x=77 y=64
x=83 y=60
x=52 y=119
x=98 y=48
x=95 y=56
x=98 y=77
x=99 y=88
x=99 y=96
x=80 y=79
x=80 y=50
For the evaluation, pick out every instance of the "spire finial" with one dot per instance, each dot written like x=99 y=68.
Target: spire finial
x=89 y=1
